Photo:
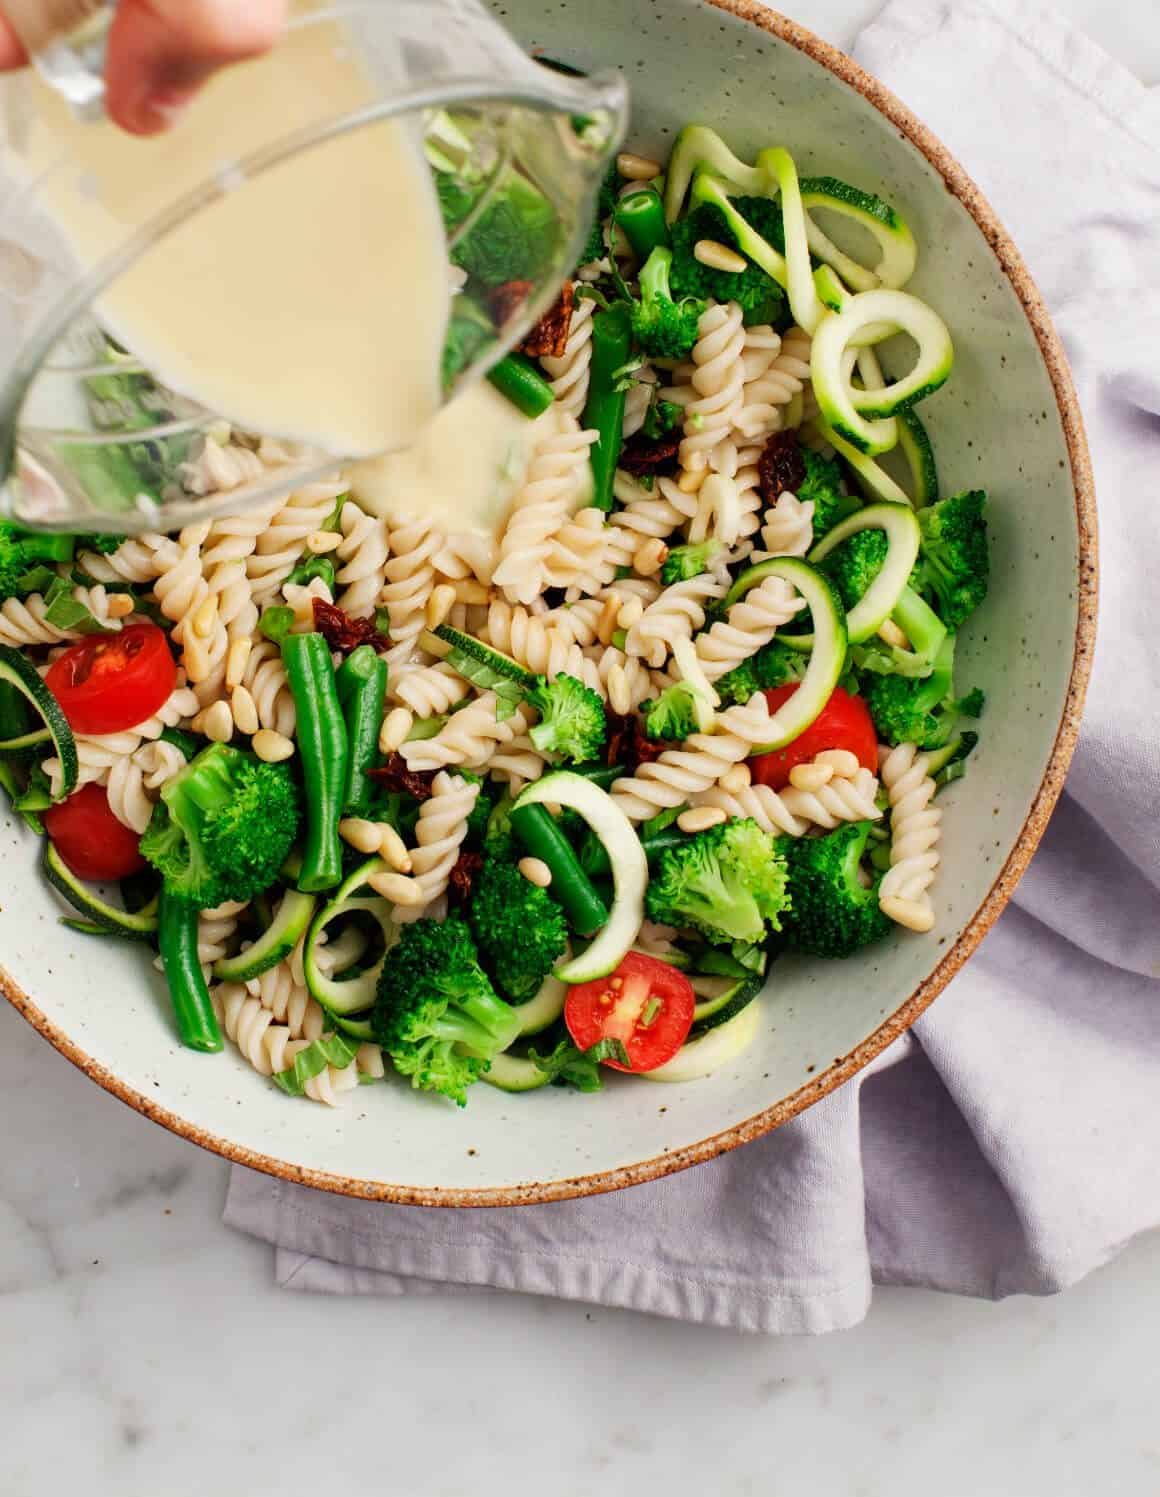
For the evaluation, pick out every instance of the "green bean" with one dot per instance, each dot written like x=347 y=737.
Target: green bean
x=604 y=409
x=641 y=215
x=594 y=857
x=518 y=378
x=362 y=689
x=323 y=751
x=197 y=1023
x=571 y=886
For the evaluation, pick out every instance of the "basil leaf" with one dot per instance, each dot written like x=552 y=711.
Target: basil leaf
x=327 y=1050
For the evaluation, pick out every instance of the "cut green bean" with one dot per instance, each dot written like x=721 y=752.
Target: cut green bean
x=518 y=378
x=197 y=1023
x=607 y=387
x=594 y=855
x=571 y=886
x=641 y=215
x=362 y=689
x=324 y=753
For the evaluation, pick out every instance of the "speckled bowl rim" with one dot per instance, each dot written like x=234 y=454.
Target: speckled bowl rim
x=1011 y=262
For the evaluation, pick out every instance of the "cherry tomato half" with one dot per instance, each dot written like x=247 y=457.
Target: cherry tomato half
x=645 y=1003
x=843 y=723
x=109 y=682
x=90 y=839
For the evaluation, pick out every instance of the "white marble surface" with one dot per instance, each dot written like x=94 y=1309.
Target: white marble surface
x=144 y=1349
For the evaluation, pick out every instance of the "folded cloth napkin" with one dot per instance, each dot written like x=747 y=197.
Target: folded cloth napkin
x=950 y=1163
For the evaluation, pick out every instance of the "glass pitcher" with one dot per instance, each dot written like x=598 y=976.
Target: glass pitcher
x=98 y=432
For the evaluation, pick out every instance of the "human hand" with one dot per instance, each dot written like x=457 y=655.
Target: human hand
x=160 y=51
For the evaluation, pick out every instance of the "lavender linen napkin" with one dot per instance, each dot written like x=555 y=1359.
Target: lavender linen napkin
x=950 y=1163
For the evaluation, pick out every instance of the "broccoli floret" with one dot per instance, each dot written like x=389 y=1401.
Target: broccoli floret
x=920 y=710
x=436 y=1013
x=759 y=296
x=773 y=665
x=823 y=488
x=468 y=332
x=664 y=328
x=831 y=914
x=519 y=928
x=499 y=840
x=663 y=417
x=572 y=724
x=223 y=827
x=23 y=550
x=595 y=248
x=852 y=567
x=515 y=238
x=678 y=711
x=954 y=565
x=729 y=883
x=689 y=561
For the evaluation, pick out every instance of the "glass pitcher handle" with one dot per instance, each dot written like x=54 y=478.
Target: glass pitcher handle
x=66 y=41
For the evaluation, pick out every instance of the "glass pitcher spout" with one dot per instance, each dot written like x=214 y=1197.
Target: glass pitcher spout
x=208 y=320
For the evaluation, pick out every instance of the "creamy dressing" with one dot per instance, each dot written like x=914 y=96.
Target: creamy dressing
x=464 y=469
x=312 y=303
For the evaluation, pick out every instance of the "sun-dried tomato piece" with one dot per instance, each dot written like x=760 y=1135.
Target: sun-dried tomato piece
x=395 y=775
x=505 y=300
x=628 y=745
x=781 y=467
x=640 y=456
x=461 y=879
x=344 y=634
x=549 y=337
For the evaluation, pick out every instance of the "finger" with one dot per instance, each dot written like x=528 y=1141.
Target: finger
x=12 y=53
x=162 y=51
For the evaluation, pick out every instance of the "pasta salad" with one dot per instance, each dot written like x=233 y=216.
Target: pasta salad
x=531 y=807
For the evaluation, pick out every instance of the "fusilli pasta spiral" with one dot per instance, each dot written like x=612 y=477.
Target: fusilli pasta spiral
x=439 y=834
x=915 y=828
x=718 y=381
x=469 y=736
x=569 y=373
x=792 y=812
x=677 y=614
x=751 y=623
x=552 y=490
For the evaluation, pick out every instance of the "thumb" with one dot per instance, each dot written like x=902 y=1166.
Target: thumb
x=162 y=51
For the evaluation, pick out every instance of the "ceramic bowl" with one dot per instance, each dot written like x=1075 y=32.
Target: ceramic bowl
x=1007 y=421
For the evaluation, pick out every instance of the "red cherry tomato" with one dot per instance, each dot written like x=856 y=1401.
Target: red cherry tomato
x=109 y=682
x=645 y=1003
x=90 y=839
x=843 y=723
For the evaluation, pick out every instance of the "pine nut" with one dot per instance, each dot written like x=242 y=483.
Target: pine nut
x=205 y=616
x=634 y=168
x=606 y=623
x=908 y=912
x=810 y=777
x=237 y=660
x=195 y=658
x=536 y=871
x=701 y=818
x=396 y=888
x=691 y=480
x=844 y=764
x=734 y=780
x=119 y=606
x=244 y=710
x=362 y=835
x=393 y=849
x=322 y=541
x=891 y=634
x=471 y=591
x=271 y=747
x=650 y=557
x=396 y=725
x=219 y=723
x=619 y=696
x=439 y=605
x=719 y=256
x=631 y=612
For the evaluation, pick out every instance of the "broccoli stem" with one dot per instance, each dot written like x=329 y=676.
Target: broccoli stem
x=518 y=378
x=604 y=409
x=324 y=752
x=571 y=886
x=197 y=1023
x=641 y=215
x=362 y=689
